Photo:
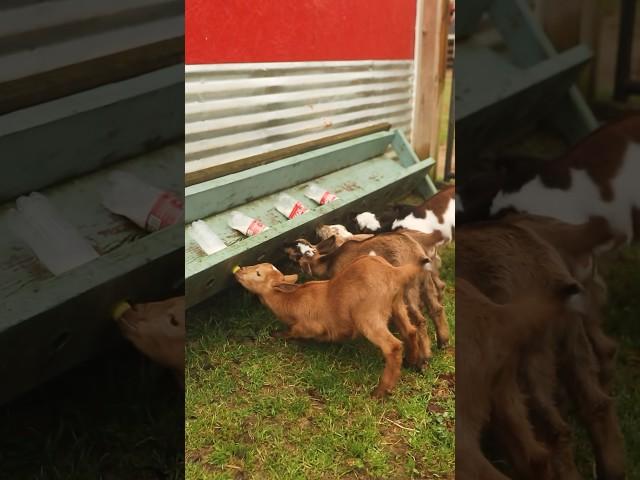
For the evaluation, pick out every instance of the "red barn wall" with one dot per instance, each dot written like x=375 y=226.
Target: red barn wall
x=235 y=31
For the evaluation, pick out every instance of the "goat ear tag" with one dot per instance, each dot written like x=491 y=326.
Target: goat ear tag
x=235 y=269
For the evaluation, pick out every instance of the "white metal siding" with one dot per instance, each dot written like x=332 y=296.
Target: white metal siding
x=234 y=111
x=42 y=35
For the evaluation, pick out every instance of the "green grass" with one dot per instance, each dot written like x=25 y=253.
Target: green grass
x=115 y=418
x=258 y=407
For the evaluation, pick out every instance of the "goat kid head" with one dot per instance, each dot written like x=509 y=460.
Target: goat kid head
x=264 y=278
x=307 y=255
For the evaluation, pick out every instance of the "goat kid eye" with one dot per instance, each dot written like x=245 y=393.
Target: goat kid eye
x=258 y=273
x=173 y=321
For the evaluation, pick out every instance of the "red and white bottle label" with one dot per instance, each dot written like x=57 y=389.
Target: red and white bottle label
x=326 y=198
x=167 y=210
x=255 y=227
x=298 y=209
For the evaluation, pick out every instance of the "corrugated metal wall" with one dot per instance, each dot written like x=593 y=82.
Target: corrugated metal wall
x=234 y=111
x=41 y=35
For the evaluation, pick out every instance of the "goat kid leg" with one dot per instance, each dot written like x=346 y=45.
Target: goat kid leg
x=527 y=455
x=378 y=334
x=595 y=407
x=436 y=311
x=412 y=297
x=471 y=463
x=409 y=333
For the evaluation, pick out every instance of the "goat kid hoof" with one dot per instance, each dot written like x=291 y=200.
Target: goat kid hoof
x=443 y=345
x=379 y=393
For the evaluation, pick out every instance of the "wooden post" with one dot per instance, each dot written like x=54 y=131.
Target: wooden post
x=432 y=18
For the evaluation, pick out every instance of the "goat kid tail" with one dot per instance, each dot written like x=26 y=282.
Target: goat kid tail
x=409 y=271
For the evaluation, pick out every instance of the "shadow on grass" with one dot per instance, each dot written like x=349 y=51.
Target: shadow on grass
x=116 y=417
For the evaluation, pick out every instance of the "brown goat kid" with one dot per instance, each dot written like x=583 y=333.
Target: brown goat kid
x=506 y=260
x=490 y=338
x=157 y=329
x=398 y=248
x=344 y=307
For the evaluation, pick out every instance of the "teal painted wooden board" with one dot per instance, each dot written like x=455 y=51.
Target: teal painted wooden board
x=360 y=184
x=503 y=88
x=495 y=98
x=50 y=323
x=79 y=201
x=226 y=192
x=120 y=118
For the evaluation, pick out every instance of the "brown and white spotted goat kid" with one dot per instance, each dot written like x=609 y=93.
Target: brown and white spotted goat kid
x=437 y=213
x=343 y=308
x=597 y=178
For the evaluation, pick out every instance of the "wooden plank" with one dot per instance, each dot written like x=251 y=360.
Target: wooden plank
x=216 y=171
x=47 y=86
x=430 y=64
x=223 y=193
x=86 y=131
x=504 y=92
x=79 y=202
x=529 y=45
x=62 y=322
x=407 y=157
x=208 y=275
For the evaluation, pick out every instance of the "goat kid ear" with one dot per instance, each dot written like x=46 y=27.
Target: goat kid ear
x=291 y=278
x=286 y=287
x=327 y=246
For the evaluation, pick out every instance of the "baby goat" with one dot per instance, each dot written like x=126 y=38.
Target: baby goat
x=490 y=339
x=437 y=213
x=325 y=260
x=344 y=307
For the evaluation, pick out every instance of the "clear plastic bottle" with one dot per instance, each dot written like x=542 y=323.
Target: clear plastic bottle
x=318 y=194
x=289 y=206
x=246 y=225
x=145 y=205
x=206 y=238
x=55 y=241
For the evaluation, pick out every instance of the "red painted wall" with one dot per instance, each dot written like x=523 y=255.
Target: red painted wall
x=229 y=31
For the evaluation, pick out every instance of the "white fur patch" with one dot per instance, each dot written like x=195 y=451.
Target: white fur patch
x=341 y=231
x=427 y=267
x=430 y=223
x=578 y=303
x=369 y=221
x=372 y=253
x=305 y=249
x=459 y=205
x=582 y=200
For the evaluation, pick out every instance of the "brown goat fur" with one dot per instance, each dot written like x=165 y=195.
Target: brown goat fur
x=325 y=260
x=504 y=260
x=157 y=329
x=490 y=339
x=344 y=307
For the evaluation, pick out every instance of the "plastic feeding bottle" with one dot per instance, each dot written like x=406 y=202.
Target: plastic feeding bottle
x=145 y=205
x=120 y=309
x=56 y=243
x=206 y=238
x=246 y=225
x=289 y=206
x=318 y=194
